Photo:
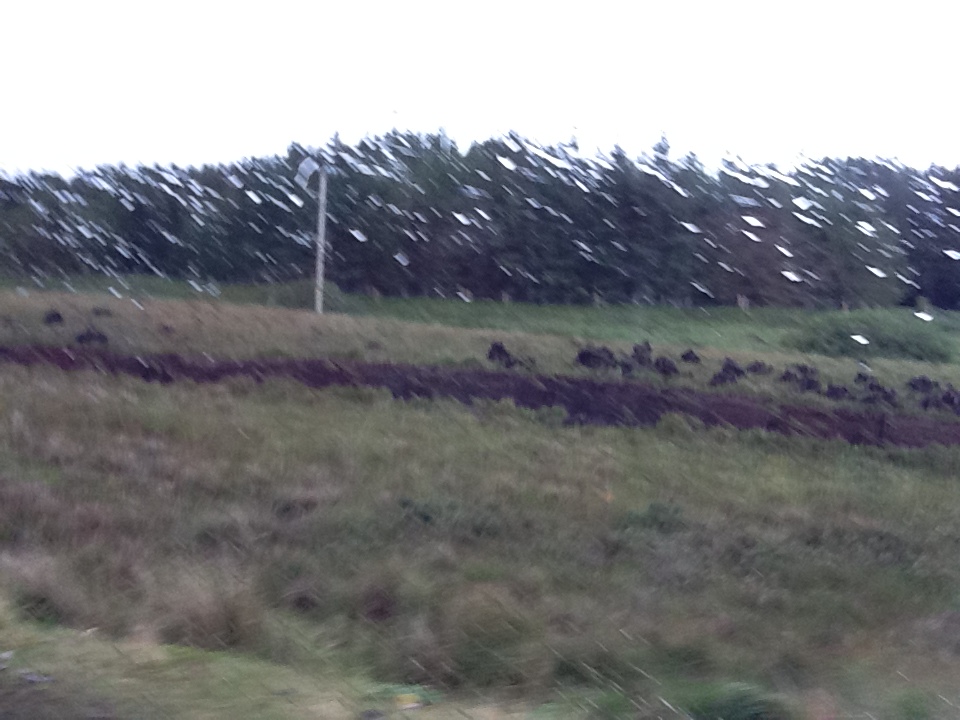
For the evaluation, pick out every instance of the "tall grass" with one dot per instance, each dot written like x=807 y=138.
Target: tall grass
x=888 y=334
x=484 y=549
x=728 y=328
x=492 y=550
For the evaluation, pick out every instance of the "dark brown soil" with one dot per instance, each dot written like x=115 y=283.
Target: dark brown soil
x=587 y=401
x=22 y=701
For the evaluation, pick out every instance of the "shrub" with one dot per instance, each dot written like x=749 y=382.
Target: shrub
x=890 y=336
x=490 y=639
x=213 y=613
x=42 y=590
x=734 y=701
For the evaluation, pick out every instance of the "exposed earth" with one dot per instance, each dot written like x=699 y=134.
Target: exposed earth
x=586 y=401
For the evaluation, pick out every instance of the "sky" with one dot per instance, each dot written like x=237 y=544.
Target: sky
x=90 y=83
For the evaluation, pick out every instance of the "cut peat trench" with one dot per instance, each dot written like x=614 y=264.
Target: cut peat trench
x=586 y=401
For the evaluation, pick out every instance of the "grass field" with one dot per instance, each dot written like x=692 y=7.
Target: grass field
x=243 y=550
x=372 y=332
x=721 y=328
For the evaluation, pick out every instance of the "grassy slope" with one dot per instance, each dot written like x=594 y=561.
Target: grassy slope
x=241 y=331
x=724 y=328
x=797 y=565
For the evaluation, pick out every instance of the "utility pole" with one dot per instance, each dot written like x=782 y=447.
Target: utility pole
x=321 y=238
x=308 y=167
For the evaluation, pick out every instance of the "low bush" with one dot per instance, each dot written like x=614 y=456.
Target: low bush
x=889 y=335
x=42 y=589
x=734 y=701
x=213 y=613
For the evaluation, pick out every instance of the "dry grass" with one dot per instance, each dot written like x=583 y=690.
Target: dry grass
x=241 y=331
x=197 y=328
x=300 y=525
x=206 y=607
x=458 y=546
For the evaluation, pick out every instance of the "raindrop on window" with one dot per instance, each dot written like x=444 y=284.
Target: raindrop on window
x=944 y=184
x=807 y=220
x=702 y=289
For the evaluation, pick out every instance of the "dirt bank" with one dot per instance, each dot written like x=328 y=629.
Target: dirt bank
x=587 y=401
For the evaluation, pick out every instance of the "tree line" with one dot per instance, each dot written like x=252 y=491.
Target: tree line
x=411 y=214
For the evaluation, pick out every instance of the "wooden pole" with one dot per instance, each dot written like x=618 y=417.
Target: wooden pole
x=321 y=238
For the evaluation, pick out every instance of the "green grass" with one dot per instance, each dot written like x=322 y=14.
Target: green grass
x=889 y=334
x=724 y=328
x=197 y=328
x=267 y=520
x=320 y=551
x=760 y=330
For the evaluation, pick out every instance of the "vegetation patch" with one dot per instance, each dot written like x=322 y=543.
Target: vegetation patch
x=888 y=335
x=475 y=549
x=734 y=701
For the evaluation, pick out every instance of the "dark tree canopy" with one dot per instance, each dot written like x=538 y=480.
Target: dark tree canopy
x=412 y=214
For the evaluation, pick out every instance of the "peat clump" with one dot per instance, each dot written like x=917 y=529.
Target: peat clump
x=642 y=354
x=805 y=378
x=722 y=378
x=666 y=367
x=728 y=374
x=92 y=336
x=923 y=384
x=499 y=355
x=597 y=357
x=838 y=392
x=878 y=393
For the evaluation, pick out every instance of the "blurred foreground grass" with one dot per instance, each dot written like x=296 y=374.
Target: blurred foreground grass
x=244 y=550
x=485 y=552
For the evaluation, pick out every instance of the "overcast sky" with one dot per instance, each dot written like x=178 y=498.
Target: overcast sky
x=87 y=83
